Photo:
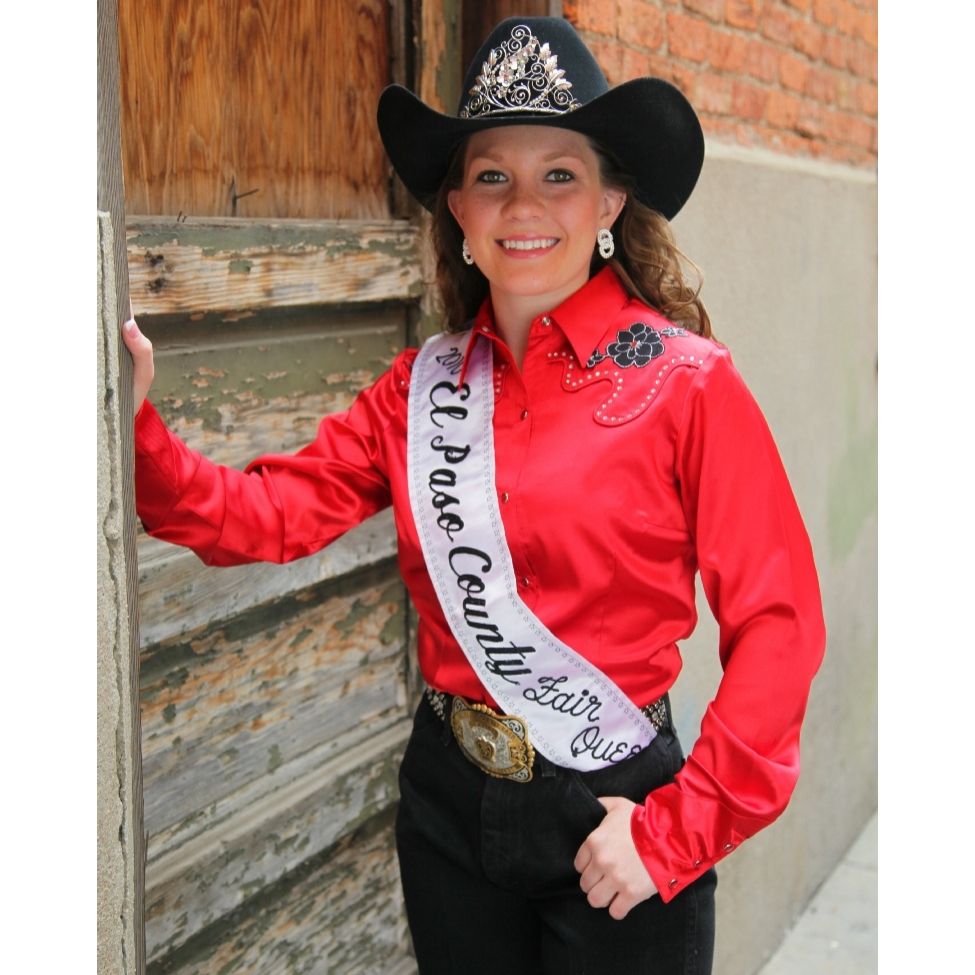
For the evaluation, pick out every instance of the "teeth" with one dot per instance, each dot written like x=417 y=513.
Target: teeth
x=529 y=245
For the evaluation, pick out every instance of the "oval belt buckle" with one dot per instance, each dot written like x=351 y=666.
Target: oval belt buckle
x=496 y=743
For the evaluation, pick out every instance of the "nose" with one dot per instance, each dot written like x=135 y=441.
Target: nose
x=522 y=202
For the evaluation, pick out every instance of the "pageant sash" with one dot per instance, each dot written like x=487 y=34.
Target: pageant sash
x=576 y=716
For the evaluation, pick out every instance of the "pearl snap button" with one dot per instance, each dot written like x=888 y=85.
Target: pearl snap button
x=728 y=847
x=504 y=497
x=524 y=414
x=673 y=883
x=546 y=321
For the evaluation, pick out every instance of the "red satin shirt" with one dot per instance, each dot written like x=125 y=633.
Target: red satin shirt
x=629 y=456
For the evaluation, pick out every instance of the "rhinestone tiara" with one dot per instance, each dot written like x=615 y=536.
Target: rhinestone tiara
x=521 y=75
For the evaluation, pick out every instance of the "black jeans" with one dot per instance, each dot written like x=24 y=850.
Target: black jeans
x=487 y=868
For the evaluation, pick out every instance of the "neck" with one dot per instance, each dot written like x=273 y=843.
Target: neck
x=514 y=314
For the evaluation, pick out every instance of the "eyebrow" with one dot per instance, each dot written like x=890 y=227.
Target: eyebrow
x=493 y=157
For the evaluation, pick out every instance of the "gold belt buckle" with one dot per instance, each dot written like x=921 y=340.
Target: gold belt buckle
x=496 y=743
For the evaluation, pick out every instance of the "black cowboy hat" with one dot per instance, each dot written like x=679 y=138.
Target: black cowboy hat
x=538 y=71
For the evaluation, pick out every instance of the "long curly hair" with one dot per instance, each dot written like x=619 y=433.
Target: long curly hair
x=649 y=263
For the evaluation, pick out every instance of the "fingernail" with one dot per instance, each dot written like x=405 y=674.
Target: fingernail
x=129 y=325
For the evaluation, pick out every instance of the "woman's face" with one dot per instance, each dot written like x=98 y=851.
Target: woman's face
x=530 y=206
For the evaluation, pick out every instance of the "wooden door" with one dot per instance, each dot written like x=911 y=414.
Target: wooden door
x=277 y=268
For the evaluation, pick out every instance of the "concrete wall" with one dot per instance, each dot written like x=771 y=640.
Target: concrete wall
x=788 y=248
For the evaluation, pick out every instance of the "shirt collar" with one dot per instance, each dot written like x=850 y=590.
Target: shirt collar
x=584 y=317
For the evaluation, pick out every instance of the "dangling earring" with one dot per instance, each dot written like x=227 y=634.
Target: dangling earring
x=465 y=252
x=606 y=246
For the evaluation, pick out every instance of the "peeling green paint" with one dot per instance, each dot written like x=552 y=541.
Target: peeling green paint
x=240 y=266
x=274 y=760
x=399 y=241
x=169 y=713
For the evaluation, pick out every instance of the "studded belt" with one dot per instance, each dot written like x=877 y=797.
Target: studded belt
x=498 y=744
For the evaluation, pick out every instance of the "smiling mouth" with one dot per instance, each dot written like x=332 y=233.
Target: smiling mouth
x=539 y=243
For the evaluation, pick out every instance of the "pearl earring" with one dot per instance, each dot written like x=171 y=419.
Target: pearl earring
x=465 y=252
x=606 y=245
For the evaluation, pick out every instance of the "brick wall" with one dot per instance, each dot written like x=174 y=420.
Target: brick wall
x=795 y=76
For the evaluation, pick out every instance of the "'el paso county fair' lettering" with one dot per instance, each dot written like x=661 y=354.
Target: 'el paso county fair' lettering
x=470 y=567
x=504 y=658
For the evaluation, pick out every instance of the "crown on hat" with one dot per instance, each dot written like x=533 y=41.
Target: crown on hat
x=521 y=75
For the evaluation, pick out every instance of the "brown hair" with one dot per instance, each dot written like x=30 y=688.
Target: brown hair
x=647 y=259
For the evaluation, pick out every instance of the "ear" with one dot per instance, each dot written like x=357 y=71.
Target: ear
x=613 y=203
x=455 y=207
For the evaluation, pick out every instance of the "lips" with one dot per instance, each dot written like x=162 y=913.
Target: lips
x=529 y=244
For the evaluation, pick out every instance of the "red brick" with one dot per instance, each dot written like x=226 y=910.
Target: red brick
x=743 y=13
x=866 y=29
x=687 y=37
x=643 y=26
x=763 y=61
x=839 y=126
x=712 y=93
x=727 y=52
x=671 y=70
x=793 y=72
x=861 y=133
x=777 y=25
x=808 y=38
x=821 y=85
x=834 y=50
x=824 y=12
x=608 y=55
x=712 y=9
x=748 y=101
x=866 y=97
x=874 y=141
x=782 y=109
x=847 y=17
x=599 y=16
x=811 y=121
x=802 y=5
x=633 y=63
x=845 y=97
x=860 y=59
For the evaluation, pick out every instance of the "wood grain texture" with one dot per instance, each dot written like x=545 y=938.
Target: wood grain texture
x=121 y=850
x=194 y=885
x=177 y=594
x=254 y=107
x=236 y=702
x=234 y=394
x=198 y=265
x=340 y=912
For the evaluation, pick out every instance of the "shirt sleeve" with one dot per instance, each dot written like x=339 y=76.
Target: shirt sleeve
x=760 y=580
x=281 y=507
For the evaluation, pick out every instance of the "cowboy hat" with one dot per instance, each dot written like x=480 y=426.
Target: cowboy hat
x=538 y=71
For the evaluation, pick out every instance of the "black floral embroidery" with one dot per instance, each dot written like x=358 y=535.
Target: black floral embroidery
x=635 y=346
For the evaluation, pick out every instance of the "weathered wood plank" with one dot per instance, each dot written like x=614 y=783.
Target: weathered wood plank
x=200 y=265
x=341 y=911
x=121 y=853
x=244 y=700
x=253 y=107
x=177 y=594
x=235 y=396
x=197 y=883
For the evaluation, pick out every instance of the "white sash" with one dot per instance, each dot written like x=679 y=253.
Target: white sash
x=576 y=716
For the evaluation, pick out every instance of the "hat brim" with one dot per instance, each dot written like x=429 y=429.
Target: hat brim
x=646 y=123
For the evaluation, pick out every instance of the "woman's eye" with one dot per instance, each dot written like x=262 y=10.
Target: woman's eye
x=489 y=176
x=560 y=176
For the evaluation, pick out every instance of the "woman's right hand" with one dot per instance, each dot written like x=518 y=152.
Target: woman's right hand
x=143 y=370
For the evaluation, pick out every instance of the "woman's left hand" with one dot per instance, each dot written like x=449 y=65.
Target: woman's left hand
x=613 y=874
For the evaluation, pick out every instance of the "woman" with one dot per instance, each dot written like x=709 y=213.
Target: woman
x=559 y=469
